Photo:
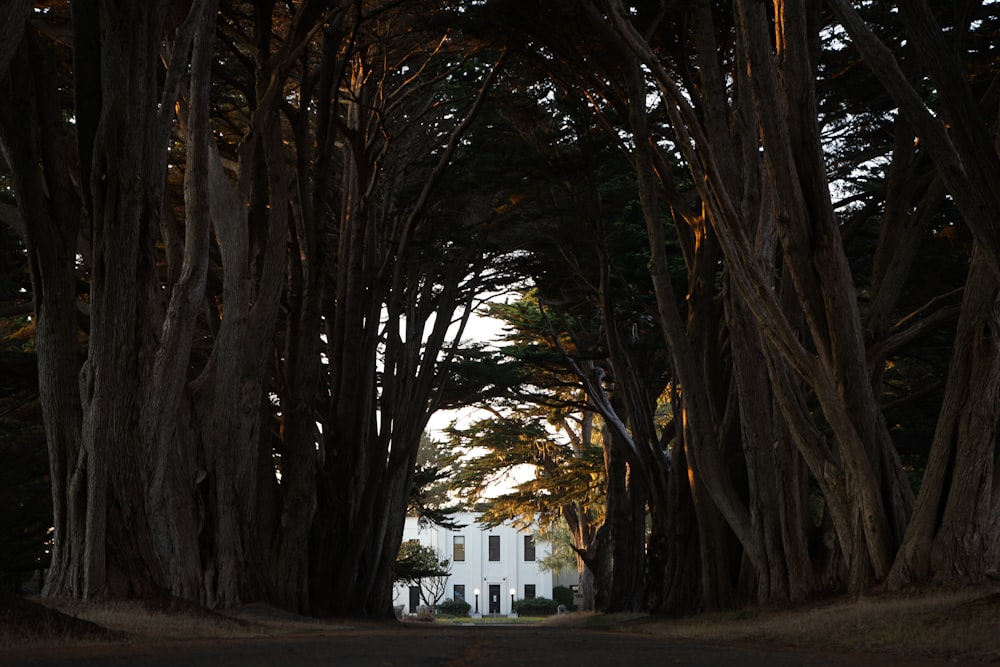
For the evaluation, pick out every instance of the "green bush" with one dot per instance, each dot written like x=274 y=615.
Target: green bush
x=449 y=607
x=563 y=595
x=536 y=607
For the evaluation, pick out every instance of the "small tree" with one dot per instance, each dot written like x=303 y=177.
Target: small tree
x=419 y=564
x=432 y=588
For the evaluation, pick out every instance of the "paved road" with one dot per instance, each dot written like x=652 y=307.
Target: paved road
x=441 y=646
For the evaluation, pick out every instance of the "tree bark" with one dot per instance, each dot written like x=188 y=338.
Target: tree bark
x=812 y=249
x=50 y=208
x=774 y=470
x=119 y=557
x=625 y=516
x=172 y=495
x=952 y=538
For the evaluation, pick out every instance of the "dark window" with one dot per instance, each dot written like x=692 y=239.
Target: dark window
x=458 y=551
x=494 y=547
x=529 y=591
x=459 y=593
x=529 y=548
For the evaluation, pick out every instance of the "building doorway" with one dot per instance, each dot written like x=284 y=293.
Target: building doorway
x=494 y=598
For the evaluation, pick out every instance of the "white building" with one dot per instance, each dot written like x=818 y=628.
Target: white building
x=486 y=564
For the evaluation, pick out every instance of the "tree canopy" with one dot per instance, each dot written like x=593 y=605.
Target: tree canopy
x=755 y=245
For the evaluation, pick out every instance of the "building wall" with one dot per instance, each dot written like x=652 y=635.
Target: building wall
x=477 y=571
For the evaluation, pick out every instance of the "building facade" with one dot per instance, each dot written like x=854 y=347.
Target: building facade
x=486 y=564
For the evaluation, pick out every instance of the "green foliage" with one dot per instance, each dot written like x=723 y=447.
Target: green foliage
x=449 y=607
x=429 y=499
x=564 y=473
x=562 y=557
x=419 y=564
x=416 y=561
x=563 y=595
x=478 y=375
x=536 y=607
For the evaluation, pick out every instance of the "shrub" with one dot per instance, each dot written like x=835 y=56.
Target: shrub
x=449 y=607
x=536 y=607
x=563 y=595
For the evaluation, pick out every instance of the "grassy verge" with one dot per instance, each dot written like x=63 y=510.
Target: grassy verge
x=958 y=624
x=963 y=625
x=58 y=622
x=489 y=620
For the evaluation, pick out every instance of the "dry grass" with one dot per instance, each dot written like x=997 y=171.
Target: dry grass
x=75 y=623
x=958 y=624
x=26 y=624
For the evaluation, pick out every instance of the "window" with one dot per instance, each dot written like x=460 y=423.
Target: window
x=495 y=548
x=458 y=547
x=459 y=594
x=529 y=591
x=529 y=548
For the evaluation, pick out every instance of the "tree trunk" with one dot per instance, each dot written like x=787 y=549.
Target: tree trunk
x=341 y=530
x=674 y=579
x=776 y=484
x=51 y=226
x=625 y=518
x=952 y=538
x=299 y=432
x=172 y=491
x=956 y=136
x=125 y=310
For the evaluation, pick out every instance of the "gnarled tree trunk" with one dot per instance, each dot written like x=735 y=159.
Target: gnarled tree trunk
x=50 y=214
x=952 y=537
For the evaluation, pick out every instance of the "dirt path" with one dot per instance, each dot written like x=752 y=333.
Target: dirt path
x=444 y=646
